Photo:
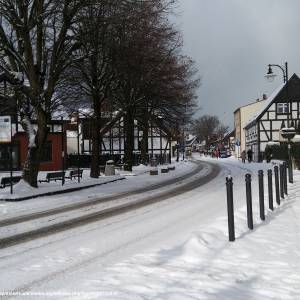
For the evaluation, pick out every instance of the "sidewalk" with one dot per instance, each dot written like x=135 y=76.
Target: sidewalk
x=22 y=191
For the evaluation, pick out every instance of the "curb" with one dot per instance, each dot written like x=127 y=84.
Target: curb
x=61 y=191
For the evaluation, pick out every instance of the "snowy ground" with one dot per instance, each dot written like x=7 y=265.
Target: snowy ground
x=139 y=178
x=177 y=249
x=23 y=190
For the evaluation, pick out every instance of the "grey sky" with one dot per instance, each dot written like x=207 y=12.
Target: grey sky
x=232 y=42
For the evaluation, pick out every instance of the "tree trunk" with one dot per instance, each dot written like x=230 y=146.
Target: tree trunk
x=35 y=151
x=129 y=141
x=144 y=144
x=95 y=170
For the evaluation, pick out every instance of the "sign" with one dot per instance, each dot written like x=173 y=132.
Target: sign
x=238 y=143
x=5 y=129
x=71 y=127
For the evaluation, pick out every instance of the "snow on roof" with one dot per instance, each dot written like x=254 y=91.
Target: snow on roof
x=61 y=112
x=266 y=105
x=191 y=139
x=58 y=114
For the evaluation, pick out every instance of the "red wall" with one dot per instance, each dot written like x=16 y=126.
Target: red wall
x=55 y=164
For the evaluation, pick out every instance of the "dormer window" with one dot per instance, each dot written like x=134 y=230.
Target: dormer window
x=282 y=108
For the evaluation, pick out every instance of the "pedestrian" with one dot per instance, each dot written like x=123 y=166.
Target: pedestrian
x=250 y=154
x=243 y=156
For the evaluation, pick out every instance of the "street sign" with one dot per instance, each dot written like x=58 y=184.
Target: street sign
x=238 y=143
x=5 y=129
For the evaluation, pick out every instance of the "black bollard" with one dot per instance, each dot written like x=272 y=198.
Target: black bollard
x=230 y=209
x=287 y=176
x=290 y=171
x=277 y=185
x=270 y=188
x=285 y=179
x=261 y=194
x=281 y=181
x=249 y=201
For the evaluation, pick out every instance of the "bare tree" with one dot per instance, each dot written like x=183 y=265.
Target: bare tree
x=119 y=54
x=153 y=78
x=222 y=130
x=36 y=43
x=92 y=70
x=209 y=128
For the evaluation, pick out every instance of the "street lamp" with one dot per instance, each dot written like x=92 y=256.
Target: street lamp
x=289 y=131
x=62 y=150
x=270 y=75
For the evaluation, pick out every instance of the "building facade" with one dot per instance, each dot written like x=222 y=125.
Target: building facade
x=242 y=115
x=112 y=144
x=265 y=126
x=52 y=158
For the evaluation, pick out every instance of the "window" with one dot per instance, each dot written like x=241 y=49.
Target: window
x=47 y=155
x=282 y=108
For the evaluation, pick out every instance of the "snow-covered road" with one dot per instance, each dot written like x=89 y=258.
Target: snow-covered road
x=67 y=261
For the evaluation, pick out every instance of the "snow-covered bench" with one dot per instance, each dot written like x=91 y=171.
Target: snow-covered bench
x=5 y=181
x=53 y=176
x=75 y=173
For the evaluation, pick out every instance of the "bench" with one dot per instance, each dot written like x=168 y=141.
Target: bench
x=75 y=173
x=5 y=181
x=153 y=172
x=119 y=166
x=53 y=176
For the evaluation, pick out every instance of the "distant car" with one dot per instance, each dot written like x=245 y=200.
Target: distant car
x=223 y=154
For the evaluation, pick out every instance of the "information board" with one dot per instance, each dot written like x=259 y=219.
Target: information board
x=5 y=129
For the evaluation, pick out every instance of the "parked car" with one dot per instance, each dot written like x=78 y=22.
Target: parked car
x=223 y=154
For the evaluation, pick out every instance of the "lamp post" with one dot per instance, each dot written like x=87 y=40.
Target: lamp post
x=289 y=131
x=78 y=148
x=183 y=146
x=10 y=117
x=63 y=150
x=183 y=132
x=75 y=127
x=11 y=162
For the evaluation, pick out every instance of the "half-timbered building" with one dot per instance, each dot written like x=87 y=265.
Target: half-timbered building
x=159 y=140
x=265 y=126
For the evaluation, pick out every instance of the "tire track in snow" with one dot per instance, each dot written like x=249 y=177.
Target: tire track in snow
x=86 y=204
x=110 y=212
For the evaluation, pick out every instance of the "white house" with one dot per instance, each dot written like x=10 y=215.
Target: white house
x=242 y=115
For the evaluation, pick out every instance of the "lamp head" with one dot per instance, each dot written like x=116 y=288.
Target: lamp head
x=270 y=75
x=288 y=133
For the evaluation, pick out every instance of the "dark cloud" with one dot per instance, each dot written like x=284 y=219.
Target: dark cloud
x=232 y=42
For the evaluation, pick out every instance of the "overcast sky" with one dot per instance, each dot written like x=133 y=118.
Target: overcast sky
x=232 y=42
